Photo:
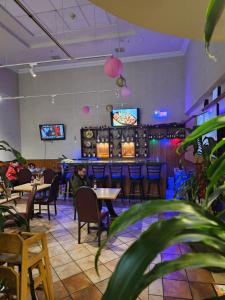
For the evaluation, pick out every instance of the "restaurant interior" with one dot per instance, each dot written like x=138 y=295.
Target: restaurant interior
x=112 y=158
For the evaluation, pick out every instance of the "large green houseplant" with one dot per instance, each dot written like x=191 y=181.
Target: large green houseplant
x=5 y=211
x=191 y=224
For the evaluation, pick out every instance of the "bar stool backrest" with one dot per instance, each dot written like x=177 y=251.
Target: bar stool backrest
x=98 y=171
x=10 y=243
x=134 y=171
x=87 y=205
x=154 y=171
x=116 y=171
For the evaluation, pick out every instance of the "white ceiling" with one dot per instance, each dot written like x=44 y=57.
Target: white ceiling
x=92 y=32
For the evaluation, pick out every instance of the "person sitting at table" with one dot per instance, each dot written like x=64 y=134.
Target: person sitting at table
x=32 y=167
x=12 y=172
x=79 y=179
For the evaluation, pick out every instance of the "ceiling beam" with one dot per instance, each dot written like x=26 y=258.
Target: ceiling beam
x=37 y=22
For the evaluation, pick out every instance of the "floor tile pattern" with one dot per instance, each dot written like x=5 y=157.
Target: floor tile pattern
x=73 y=269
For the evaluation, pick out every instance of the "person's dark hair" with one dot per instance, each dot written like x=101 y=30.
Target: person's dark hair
x=15 y=161
x=31 y=165
x=80 y=168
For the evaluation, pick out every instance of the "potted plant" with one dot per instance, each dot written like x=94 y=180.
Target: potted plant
x=193 y=223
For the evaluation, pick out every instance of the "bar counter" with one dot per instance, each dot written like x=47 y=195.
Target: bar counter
x=69 y=164
x=122 y=161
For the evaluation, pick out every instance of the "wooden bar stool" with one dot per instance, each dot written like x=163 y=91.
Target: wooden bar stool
x=116 y=174
x=99 y=174
x=154 y=177
x=136 y=178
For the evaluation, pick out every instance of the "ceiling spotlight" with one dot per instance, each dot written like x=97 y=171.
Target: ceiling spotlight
x=31 y=70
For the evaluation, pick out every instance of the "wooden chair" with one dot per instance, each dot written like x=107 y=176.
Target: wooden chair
x=16 y=251
x=24 y=176
x=154 y=177
x=88 y=211
x=11 y=282
x=27 y=215
x=49 y=175
x=51 y=198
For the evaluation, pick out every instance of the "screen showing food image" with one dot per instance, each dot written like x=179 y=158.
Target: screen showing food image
x=125 y=117
x=52 y=132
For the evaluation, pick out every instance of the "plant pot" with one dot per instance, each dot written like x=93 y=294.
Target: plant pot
x=200 y=248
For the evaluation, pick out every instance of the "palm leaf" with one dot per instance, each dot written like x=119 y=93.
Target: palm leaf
x=213 y=14
x=140 y=211
x=217 y=147
x=137 y=258
x=209 y=126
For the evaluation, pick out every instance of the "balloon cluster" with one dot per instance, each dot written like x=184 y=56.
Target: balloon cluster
x=113 y=68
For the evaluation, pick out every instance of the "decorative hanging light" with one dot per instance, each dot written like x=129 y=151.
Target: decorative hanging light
x=109 y=107
x=86 y=109
x=120 y=81
x=113 y=67
x=125 y=91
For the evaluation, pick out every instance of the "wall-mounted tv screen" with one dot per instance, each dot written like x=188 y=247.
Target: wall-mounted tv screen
x=50 y=132
x=125 y=117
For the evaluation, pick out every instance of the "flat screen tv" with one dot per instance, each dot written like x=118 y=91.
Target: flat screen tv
x=125 y=117
x=51 y=132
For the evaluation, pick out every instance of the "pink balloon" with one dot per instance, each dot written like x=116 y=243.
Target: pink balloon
x=125 y=92
x=113 y=67
x=86 y=109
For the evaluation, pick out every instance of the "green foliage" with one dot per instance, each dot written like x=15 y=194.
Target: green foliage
x=213 y=14
x=193 y=224
x=4 y=146
x=10 y=212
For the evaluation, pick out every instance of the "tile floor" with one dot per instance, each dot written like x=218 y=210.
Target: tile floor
x=73 y=270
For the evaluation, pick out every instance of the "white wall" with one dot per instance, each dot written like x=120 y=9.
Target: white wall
x=9 y=112
x=201 y=72
x=155 y=84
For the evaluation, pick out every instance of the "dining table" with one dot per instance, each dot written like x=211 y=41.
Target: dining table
x=109 y=194
x=27 y=187
x=13 y=197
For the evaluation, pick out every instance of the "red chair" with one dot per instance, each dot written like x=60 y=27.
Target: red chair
x=88 y=211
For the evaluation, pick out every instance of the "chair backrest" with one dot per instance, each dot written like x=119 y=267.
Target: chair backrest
x=54 y=189
x=134 y=171
x=87 y=205
x=154 y=171
x=98 y=171
x=10 y=243
x=116 y=170
x=24 y=176
x=30 y=203
x=49 y=175
x=10 y=279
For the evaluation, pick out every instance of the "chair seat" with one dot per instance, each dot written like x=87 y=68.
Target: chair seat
x=153 y=177
x=118 y=177
x=100 y=177
x=133 y=177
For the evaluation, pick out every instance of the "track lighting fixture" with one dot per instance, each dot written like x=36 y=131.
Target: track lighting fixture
x=31 y=70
